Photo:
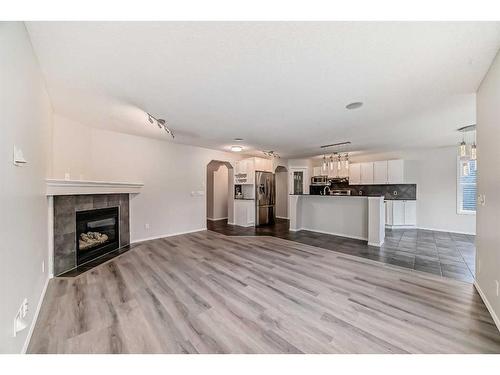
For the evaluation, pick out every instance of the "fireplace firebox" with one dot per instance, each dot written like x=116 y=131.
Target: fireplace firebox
x=97 y=233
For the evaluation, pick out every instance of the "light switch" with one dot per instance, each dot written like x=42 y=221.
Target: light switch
x=18 y=157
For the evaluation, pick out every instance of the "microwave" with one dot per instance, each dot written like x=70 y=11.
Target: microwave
x=319 y=180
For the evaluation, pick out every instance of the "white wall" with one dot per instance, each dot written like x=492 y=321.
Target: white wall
x=170 y=172
x=435 y=173
x=25 y=114
x=488 y=216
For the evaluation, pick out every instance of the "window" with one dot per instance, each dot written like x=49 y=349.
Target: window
x=466 y=189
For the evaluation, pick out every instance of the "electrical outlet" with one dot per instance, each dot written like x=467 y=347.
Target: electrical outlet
x=146 y=226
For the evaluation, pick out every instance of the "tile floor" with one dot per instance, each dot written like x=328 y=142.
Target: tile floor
x=440 y=253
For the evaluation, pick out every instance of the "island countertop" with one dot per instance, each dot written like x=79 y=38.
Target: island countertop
x=355 y=216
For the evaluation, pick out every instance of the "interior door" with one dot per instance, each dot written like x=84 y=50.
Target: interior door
x=298 y=182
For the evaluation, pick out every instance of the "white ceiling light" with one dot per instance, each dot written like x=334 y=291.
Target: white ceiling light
x=354 y=105
x=236 y=148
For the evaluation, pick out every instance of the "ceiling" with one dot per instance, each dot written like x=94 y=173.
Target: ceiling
x=280 y=86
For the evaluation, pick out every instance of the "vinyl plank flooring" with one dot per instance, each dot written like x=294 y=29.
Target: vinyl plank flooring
x=402 y=247
x=206 y=292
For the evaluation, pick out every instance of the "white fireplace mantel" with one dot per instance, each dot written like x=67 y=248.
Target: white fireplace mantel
x=82 y=187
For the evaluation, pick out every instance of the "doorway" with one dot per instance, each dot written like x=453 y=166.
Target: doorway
x=219 y=186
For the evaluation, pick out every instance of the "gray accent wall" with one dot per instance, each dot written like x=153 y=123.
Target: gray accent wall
x=65 y=208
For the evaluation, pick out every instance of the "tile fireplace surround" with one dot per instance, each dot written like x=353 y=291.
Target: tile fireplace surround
x=65 y=207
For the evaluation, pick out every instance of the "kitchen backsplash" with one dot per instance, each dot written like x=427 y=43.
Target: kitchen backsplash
x=393 y=192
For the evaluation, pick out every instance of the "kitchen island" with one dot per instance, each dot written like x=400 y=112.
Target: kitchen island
x=358 y=217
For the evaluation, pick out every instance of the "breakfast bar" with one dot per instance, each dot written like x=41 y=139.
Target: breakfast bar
x=358 y=217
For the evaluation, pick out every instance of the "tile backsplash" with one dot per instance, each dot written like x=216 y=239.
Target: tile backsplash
x=390 y=192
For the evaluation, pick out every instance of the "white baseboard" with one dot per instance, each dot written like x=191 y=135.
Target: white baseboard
x=387 y=226
x=333 y=234
x=446 y=230
x=282 y=217
x=167 y=235
x=215 y=219
x=245 y=226
x=35 y=317
x=488 y=306
x=376 y=244
x=230 y=223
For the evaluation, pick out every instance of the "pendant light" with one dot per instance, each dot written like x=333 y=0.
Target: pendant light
x=465 y=168
x=330 y=164
x=324 y=163
x=463 y=150
x=339 y=162
x=473 y=150
x=346 y=161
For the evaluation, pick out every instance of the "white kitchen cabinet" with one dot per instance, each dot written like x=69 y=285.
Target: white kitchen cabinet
x=317 y=171
x=244 y=171
x=261 y=164
x=401 y=213
x=388 y=213
x=244 y=212
x=410 y=213
x=367 y=173
x=395 y=171
x=398 y=213
x=354 y=174
x=380 y=172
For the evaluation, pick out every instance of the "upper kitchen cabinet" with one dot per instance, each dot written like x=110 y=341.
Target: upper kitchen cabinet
x=380 y=172
x=354 y=174
x=244 y=171
x=366 y=173
x=395 y=171
x=317 y=171
x=377 y=173
x=263 y=165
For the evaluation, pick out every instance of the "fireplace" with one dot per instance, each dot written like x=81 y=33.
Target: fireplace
x=97 y=233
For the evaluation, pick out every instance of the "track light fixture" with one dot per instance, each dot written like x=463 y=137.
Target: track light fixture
x=271 y=154
x=160 y=123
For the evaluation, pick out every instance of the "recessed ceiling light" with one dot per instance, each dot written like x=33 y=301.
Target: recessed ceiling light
x=236 y=148
x=354 y=105
x=238 y=139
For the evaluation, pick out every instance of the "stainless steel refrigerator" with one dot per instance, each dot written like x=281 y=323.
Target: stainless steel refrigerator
x=265 y=198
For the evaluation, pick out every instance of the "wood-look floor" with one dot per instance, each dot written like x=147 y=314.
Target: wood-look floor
x=209 y=293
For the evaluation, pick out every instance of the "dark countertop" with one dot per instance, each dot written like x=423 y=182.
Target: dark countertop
x=362 y=196
x=244 y=199
x=336 y=196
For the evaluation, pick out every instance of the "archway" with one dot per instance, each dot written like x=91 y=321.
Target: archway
x=219 y=191
x=281 y=178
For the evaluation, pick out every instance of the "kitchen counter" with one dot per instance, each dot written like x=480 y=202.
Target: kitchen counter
x=358 y=196
x=335 y=196
x=244 y=199
x=354 y=216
